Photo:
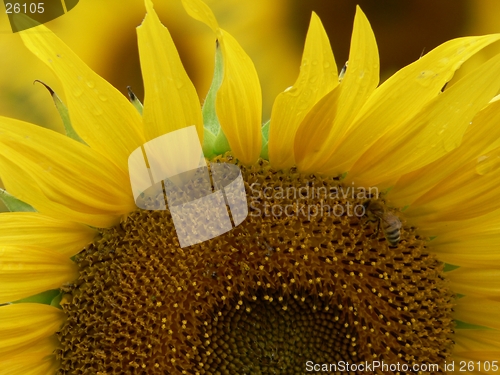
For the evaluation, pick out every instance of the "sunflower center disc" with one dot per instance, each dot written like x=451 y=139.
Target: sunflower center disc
x=298 y=282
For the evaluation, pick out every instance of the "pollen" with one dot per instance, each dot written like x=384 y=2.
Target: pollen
x=236 y=304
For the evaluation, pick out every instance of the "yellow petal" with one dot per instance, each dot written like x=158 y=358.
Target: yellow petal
x=99 y=113
x=239 y=99
x=360 y=80
x=317 y=122
x=468 y=192
x=26 y=325
x=478 y=311
x=170 y=101
x=317 y=77
x=72 y=180
x=481 y=136
x=30 y=364
x=433 y=132
x=483 y=282
x=401 y=97
x=201 y=12
x=29 y=228
x=37 y=358
x=469 y=343
x=476 y=351
x=471 y=243
x=28 y=270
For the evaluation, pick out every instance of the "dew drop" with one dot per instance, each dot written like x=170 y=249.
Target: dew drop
x=313 y=79
x=97 y=110
x=487 y=164
x=326 y=65
x=179 y=83
x=90 y=84
x=77 y=91
x=103 y=98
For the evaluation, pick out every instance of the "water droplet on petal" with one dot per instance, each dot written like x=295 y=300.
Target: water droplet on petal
x=179 y=83
x=97 y=110
x=77 y=91
x=90 y=83
x=487 y=164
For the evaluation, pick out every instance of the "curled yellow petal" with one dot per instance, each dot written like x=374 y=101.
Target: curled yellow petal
x=402 y=97
x=317 y=77
x=481 y=136
x=468 y=192
x=29 y=228
x=239 y=98
x=201 y=12
x=28 y=270
x=99 y=113
x=27 y=326
x=316 y=123
x=360 y=79
x=59 y=176
x=239 y=101
x=170 y=101
x=433 y=132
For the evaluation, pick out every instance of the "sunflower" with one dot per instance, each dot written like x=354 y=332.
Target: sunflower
x=371 y=231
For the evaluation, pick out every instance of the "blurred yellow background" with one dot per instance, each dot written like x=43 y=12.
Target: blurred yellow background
x=272 y=32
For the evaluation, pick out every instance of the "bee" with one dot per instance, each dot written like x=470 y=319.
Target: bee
x=391 y=224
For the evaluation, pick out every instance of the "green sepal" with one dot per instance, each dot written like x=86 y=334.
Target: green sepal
x=56 y=301
x=214 y=139
x=13 y=204
x=463 y=325
x=45 y=298
x=135 y=101
x=449 y=267
x=64 y=113
x=264 y=152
